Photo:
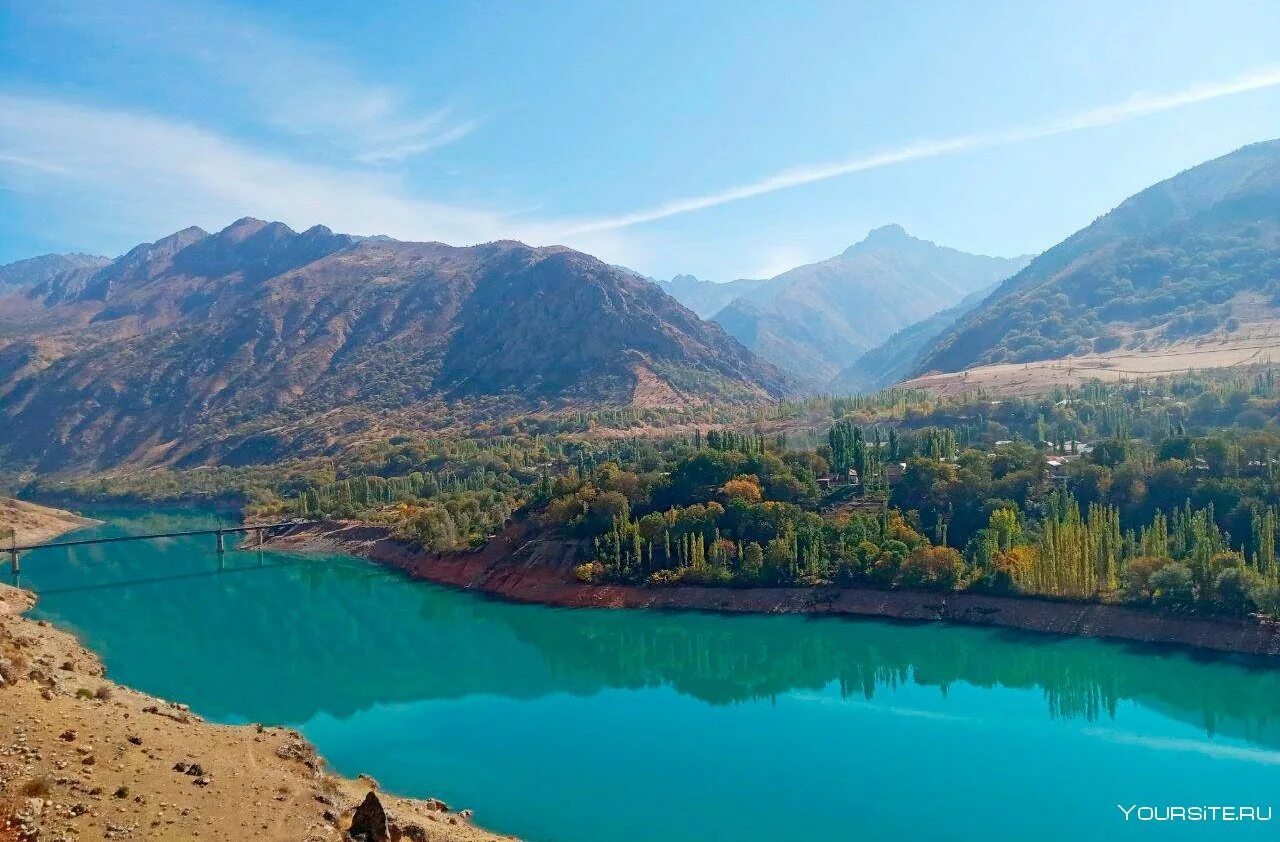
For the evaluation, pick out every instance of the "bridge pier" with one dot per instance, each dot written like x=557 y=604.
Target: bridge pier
x=13 y=562
x=222 y=546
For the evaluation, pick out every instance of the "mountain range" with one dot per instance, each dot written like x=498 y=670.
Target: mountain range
x=36 y=270
x=259 y=340
x=1193 y=256
x=706 y=298
x=895 y=358
x=816 y=320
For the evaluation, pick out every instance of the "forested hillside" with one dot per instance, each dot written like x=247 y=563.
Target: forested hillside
x=1158 y=495
x=1196 y=255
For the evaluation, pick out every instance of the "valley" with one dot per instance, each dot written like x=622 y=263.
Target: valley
x=639 y=422
x=1013 y=500
x=814 y=320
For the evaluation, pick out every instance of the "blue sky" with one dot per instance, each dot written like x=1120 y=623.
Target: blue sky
x=725 y=139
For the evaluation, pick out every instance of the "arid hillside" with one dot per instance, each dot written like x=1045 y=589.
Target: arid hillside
x=28 y=523
x=1259 y=344
x=82 y=757
x=238 y=346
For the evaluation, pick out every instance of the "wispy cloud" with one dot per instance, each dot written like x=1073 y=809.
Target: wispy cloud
x=167 y=174
x=398 y=142
x=134 y=173
x=1138 y=105
x=1219 y=751
x=299 y=88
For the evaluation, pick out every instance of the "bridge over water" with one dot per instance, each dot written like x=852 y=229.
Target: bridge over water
x=259 y=529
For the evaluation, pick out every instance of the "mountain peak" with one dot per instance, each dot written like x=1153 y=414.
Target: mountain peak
x=246 y=227
x=886 y=236
x=812 y=320
x=171 y=244
x=34 y=271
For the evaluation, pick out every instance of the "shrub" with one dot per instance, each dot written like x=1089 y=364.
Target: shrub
x=942 y=568
x=589 y=572
x=743 y=487
x=714 y=575
x=564 y=511
x=665 y=578
x=1137 y=584
x=1173 y=588
x=1008 y=570
x=37 y=788
x=1267 y=598
x=1234 y=591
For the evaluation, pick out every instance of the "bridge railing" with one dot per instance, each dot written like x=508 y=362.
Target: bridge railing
x=220 y=533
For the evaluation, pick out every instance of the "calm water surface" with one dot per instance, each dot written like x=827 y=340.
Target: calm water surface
x=585 y=725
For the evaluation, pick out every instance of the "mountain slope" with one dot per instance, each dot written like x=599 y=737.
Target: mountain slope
x=706 y=298
x=235 y=345
x=814 y=320
x=893 y=359
x=1192 y=256
x=25 y=274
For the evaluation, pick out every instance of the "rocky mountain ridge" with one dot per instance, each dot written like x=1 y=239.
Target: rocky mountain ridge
x=197 y=346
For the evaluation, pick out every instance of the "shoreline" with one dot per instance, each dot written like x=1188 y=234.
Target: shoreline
x=520 y=567
x=34 y=523
x=83 y=757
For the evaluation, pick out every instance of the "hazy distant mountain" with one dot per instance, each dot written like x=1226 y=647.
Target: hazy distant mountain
x=24 y=274
x=1190 y=256
x=895 y=358
x=813 y=321
x=258 y=341
x=706 y=298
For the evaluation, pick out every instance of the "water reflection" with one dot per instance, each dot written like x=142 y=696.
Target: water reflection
x=279 y=638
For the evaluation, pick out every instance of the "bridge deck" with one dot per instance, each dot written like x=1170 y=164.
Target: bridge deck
x=223 y=531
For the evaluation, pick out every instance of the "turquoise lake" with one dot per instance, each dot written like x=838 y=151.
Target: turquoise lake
x=585 y=725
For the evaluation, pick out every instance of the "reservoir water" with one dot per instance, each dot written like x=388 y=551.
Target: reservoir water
x=584 y=725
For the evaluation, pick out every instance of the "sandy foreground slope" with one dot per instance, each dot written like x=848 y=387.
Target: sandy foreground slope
x=82 y=758
x=33 y=524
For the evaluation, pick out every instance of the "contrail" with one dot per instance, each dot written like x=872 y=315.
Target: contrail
x=1137 y=105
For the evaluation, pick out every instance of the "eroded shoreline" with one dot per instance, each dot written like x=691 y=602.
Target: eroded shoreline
x=33 y=523
x=521 y=567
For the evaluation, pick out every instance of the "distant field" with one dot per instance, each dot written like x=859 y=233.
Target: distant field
x=1260 y=344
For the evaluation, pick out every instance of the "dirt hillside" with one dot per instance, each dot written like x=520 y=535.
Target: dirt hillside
x=32 y=523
